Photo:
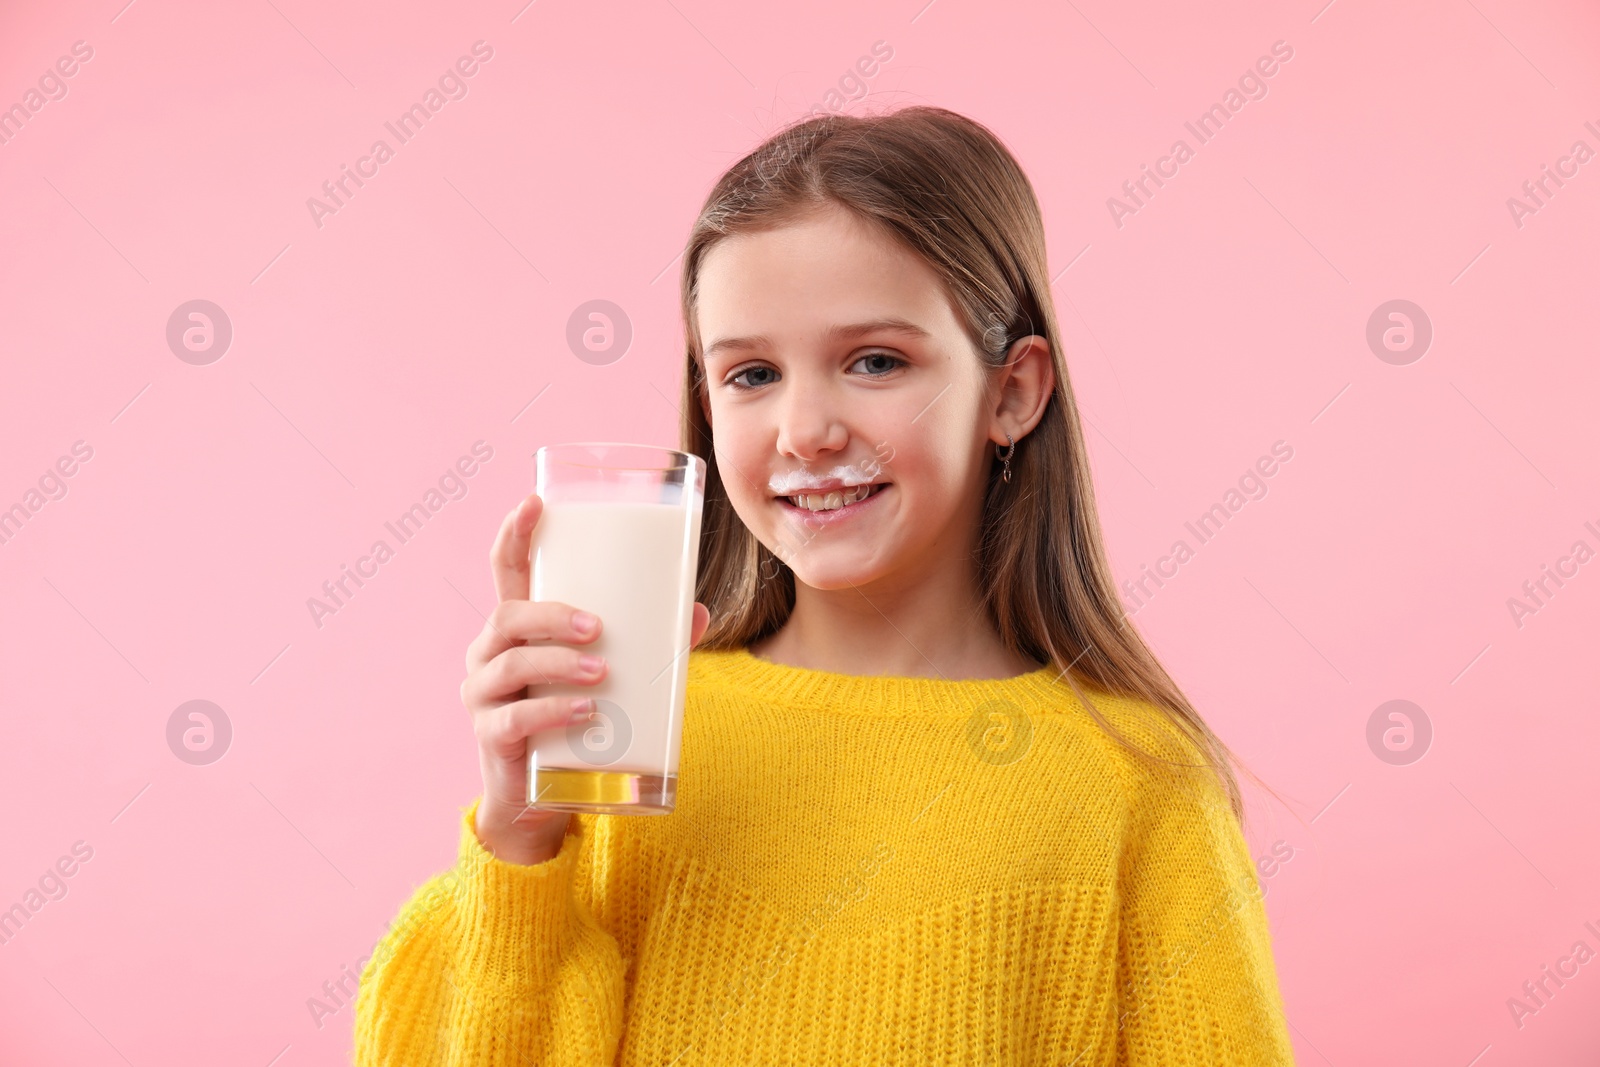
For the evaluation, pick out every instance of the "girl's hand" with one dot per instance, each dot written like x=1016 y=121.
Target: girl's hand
x=499 y=691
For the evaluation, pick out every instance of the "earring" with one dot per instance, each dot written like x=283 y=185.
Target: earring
x=1005 y=457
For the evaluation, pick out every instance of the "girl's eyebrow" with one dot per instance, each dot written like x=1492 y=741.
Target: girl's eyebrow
x=890 y=324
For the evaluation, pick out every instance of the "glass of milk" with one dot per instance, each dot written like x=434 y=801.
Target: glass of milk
x=619 y=537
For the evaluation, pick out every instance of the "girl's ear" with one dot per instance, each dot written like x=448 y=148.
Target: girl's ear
x=1023 y=387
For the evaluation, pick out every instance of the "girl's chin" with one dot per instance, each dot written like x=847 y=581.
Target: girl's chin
x=833 y=587
x=823 y=573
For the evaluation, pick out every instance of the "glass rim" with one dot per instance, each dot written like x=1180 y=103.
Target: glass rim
x=553 y=453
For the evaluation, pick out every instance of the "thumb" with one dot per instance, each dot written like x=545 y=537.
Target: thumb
x=702 y=620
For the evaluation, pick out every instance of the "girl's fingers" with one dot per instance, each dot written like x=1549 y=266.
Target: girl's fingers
x=524 y=665
x=508 y=559
x=702 y=620
x=504 y=729
x=513 y=622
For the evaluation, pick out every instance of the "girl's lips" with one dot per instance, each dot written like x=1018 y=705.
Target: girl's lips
x=817 y=519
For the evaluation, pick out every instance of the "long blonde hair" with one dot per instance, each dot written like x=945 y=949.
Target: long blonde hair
x=950 y=191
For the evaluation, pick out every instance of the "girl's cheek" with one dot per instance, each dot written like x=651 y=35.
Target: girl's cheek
x=749 y=490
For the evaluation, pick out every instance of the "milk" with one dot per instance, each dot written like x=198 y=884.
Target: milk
x=633 y=565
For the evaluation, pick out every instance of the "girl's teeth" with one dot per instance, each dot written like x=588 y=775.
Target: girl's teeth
x=832 y=500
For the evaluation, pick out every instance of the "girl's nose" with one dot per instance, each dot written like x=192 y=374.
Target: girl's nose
x=809 y=427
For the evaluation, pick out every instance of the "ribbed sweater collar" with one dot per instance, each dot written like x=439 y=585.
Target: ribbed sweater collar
x=762 y=680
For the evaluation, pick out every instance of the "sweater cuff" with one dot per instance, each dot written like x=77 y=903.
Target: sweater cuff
x=515 y=921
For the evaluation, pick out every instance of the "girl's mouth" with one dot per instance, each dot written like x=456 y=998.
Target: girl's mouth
x=831 y=506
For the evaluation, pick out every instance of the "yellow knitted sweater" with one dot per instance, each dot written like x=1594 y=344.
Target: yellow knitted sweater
x=860 y=870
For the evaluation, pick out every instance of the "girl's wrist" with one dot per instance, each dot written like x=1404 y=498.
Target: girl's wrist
x=521 y=836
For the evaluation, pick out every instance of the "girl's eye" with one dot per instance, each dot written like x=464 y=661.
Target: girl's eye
x=753 y=369
x=894 y=362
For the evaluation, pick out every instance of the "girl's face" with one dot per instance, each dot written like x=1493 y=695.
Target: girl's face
x=835 y=359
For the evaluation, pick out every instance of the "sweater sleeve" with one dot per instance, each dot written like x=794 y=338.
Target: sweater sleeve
x=1197 y=985
x=493 y=963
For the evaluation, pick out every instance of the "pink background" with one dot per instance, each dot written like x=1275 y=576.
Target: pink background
x=369 y=354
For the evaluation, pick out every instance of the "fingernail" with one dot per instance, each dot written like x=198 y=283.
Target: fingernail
x=582 y=706
x=583 y=622
x=591 y=664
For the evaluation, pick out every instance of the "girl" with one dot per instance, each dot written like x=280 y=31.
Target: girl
x=939 y=801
